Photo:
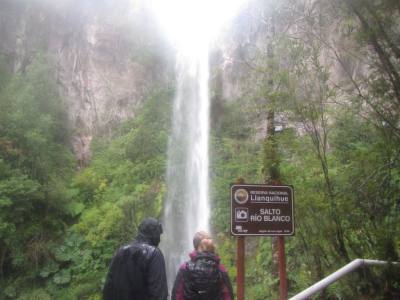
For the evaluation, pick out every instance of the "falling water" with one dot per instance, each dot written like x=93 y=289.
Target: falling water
x=191 y=25
x=187 y=205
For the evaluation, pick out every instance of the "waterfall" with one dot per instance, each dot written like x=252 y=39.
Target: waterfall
x=187 y=205
x=191 y=25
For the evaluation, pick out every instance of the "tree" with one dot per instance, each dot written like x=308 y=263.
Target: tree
x=35 y=160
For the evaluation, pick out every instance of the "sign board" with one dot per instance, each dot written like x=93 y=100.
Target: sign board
x=262 y=209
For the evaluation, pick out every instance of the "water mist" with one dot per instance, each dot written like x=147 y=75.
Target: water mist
x=191 y=25
x=187 y=204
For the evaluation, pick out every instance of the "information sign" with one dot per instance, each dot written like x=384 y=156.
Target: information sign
x=262 y=209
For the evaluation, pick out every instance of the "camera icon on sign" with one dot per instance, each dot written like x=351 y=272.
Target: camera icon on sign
x=241 y=214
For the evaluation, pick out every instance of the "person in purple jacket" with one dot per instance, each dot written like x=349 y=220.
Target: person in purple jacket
x=203 y=276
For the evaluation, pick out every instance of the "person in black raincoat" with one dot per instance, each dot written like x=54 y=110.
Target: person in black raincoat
x=137 y=271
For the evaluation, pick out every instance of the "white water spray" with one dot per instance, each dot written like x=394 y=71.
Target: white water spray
x=187 y=206
x=191 y=24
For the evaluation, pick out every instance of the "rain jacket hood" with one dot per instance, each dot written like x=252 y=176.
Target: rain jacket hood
x=150 y=231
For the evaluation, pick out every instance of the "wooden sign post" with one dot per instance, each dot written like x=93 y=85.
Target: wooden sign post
x=265 y=210
x=240 y=268
x=282 y=269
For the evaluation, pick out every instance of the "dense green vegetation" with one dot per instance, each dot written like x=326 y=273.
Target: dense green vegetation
x=59 y=226
x=36 y=165
x=337 y=141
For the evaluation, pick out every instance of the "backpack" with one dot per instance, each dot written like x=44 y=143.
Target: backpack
x=202 y=278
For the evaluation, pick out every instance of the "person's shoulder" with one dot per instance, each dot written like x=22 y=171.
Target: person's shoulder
x=184 y=265
x=123 y=249
x=157 y=251
x=150 y=251
x=222 y=268
x=135 y=249
x=145 y=248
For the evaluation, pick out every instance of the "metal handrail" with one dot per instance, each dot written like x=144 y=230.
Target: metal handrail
x=322 y=284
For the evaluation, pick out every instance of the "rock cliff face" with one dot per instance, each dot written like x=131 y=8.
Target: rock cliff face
x=111 y=54
x=108 y=55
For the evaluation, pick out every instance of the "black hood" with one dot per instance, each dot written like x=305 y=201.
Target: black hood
x=150 y=231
